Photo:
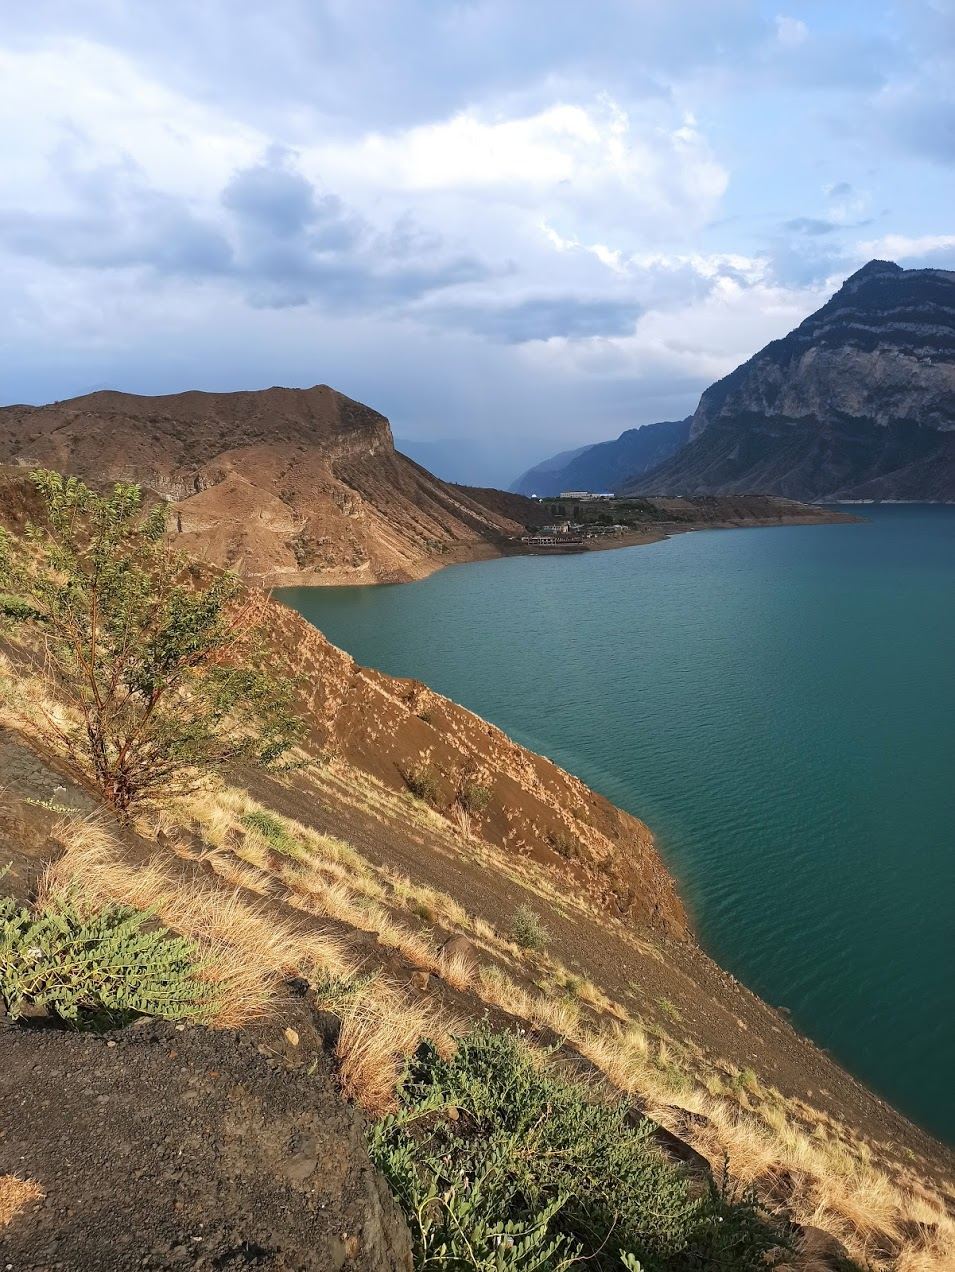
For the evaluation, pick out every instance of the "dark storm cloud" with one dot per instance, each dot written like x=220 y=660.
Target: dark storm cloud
x=280 y=241
x=116 y=221
x=540 y=318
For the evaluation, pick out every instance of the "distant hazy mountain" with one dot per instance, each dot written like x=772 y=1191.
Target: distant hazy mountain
x=472 y=461
x=857 y=403
x=606 y=465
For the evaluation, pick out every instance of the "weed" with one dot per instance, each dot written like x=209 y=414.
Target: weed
x=422 y=781
x=528 y=930
x=564 y=844
x=474 y=798
x=89 y=965
x=51 y=806
x=274 y=832
x=670 y=1009
x=532 y=1173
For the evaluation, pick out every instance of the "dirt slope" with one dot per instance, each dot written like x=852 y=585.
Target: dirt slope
x=536 y=812
x=189 y=1149
x=292 y=486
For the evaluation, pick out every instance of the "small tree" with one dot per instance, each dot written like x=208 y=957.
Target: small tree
x=150 y=668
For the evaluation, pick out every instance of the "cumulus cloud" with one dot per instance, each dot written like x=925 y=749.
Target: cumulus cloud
x=486 y=213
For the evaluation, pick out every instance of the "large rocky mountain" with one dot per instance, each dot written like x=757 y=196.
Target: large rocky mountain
x=607 y=464
x=857 y=403
x=291 y=486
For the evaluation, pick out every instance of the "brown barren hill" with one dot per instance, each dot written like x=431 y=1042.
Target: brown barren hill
x=291 y=486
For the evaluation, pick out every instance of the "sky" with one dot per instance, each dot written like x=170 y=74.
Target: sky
x=523 y=225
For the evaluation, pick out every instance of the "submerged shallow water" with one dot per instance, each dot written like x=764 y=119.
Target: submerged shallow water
x=779 y=706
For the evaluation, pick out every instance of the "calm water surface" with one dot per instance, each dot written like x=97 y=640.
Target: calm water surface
x=779 y=706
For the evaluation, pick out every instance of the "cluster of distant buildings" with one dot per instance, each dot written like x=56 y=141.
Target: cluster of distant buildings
x=580 y=496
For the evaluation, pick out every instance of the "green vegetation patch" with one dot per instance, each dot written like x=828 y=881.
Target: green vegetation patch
x=498 y=1164
x=423 y=782
x=97 y=966
x=528 y=930
x=275 y=833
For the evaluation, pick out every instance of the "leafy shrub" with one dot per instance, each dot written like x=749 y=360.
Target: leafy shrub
x=531 y=1175
x=527 y=929
x=423 y=782
x=161 y=675
x=564 y=844
x=82 y=964
x=474 y=798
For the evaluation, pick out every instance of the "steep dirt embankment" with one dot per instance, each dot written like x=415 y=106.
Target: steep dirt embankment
x=399 y=729
x=291 y=486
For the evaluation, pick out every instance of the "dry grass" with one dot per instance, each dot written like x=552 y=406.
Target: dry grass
x=457 y=969
x=780 y=1146
x=246 y=947
x=378 y=1034
x=15 y=1195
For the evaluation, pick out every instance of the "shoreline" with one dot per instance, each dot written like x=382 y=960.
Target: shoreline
x=485 y=550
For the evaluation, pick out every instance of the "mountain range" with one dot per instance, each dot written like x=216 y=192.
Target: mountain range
x=857 y=403
x=608 y=464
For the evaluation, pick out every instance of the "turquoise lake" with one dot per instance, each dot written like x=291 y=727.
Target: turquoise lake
x=779 y=706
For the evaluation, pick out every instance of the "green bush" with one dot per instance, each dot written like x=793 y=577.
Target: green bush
x=564 y=844
x=527 y=929
x=529 y=1174
x=106 y=964
x=474 y=798
x=162 y=672
x=423 y=782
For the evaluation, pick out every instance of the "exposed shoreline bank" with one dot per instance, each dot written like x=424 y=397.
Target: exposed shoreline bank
x=466 y=554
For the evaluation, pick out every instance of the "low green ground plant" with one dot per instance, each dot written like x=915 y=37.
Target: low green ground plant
x=500 y=1165
x=91 y=966
x=275 y=833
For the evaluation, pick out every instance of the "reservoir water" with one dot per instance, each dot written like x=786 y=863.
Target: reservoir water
x=779 y=706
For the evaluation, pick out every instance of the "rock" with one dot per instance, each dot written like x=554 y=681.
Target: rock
x=827 y=1250
x=291 y=1037
x=855 y=403
x=421 y=981
x=460 y=947
x=672 y=1145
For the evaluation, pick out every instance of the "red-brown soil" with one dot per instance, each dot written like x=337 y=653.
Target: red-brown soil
x=287 y=485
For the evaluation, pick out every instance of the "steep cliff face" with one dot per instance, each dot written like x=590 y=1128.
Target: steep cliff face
x=536 y=812
x=857 y=403
x=292 y=486
x=606 y=466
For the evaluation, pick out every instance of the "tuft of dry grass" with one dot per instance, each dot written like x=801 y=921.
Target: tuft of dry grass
x=245 y=947
x=457 y=969
x=15 y=1196
x=377 y=1036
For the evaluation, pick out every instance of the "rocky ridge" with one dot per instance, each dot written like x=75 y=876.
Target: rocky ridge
x=292 y=486
x=858 y=402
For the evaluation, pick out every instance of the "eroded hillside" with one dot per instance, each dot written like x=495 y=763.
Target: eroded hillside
x=291 y=486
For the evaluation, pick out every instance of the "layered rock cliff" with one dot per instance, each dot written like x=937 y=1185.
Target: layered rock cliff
x=293 y=486
x=858 y=402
